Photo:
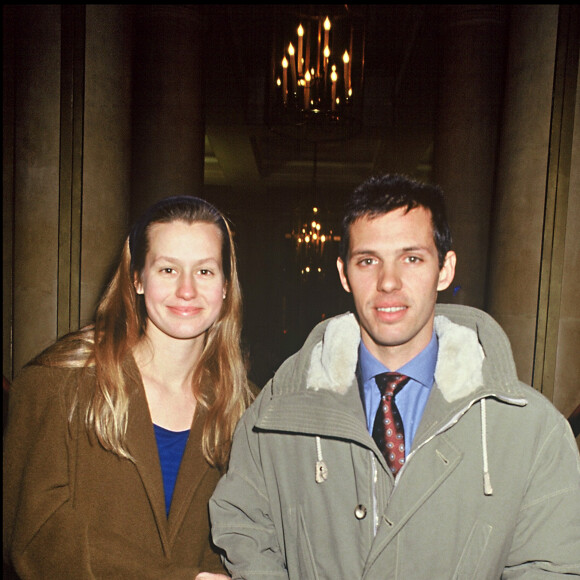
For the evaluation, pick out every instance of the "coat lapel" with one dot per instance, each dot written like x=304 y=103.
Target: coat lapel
x=142 y=445
x=192 y=470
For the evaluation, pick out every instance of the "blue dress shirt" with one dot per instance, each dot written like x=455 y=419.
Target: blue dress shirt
x=411 y=399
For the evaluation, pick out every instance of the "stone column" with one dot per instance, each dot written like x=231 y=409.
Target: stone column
x=471 y=76
x=566 y=395
x=69 y=169
x=37 y=35
x=521 y=179
x=168 y=121
x=107 y=148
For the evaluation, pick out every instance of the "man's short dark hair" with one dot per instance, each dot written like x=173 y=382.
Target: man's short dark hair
x=380 y=195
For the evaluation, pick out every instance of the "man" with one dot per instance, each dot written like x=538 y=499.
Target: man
x=487 y=484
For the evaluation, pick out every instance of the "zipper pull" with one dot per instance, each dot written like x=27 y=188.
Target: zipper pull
x=321 y=471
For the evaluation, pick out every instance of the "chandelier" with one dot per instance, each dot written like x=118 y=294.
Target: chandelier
x=312 y=240
x=318 y=73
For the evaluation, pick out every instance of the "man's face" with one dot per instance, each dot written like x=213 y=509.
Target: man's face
x=394 y=276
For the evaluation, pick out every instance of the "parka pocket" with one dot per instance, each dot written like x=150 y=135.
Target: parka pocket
x=469 y=562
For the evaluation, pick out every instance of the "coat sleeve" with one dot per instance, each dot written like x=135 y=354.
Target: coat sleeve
x=240 y=511
x=546 y=542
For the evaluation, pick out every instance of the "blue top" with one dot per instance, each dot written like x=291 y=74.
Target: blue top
x=411 y=399
x=170 y=445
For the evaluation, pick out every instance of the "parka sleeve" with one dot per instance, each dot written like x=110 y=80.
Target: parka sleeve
x=40 y=530
x=546 y=543
x=240 y=511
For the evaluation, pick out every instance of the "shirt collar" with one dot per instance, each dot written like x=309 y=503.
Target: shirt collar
x=420 y=369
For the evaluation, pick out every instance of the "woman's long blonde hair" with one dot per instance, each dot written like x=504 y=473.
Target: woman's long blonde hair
x=219 y=382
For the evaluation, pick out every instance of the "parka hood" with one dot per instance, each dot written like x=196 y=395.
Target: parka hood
x=473 y=352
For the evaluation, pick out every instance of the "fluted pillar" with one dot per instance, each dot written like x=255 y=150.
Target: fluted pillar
x=534 y=273
x=107 y=148
x=168 y=121
x=69 y=172
x=470 y=92
x=566 y=395
x=35 y=184
x=521 y=182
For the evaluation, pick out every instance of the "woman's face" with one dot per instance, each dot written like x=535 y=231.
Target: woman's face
x=182 y=282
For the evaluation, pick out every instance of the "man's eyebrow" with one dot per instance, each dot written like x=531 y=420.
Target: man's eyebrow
x=415 y=249
x=362 y=251
x=404 y=249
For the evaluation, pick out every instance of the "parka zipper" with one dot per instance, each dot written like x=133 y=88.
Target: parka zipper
x=374 y=488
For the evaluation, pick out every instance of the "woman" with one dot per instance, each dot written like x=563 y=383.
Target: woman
x=118 y=434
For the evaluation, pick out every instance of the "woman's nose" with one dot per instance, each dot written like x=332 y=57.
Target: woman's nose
x=186 y=288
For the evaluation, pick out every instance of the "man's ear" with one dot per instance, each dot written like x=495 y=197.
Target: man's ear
x=137 y=284
x=447 y=272
x=342 y=273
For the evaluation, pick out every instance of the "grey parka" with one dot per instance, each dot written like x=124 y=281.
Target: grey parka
x=490 y=489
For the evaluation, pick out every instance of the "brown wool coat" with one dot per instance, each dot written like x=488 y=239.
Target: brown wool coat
x=73 y=510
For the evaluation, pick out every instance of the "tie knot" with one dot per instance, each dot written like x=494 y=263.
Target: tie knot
x=388 y=383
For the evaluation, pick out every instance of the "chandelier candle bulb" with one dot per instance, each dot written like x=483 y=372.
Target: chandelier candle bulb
x=333 y=78
x=349 y=72
x=326 y=71
x=300 y=41
x=285 y=79
x=307 y=53
x=346 y=61
x=291 y=53
x=318 y=52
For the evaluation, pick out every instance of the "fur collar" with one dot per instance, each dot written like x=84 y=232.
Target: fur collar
x=334 y=358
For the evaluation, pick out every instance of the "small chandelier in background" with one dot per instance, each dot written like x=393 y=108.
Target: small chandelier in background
x=312 y=240
x=318 y=73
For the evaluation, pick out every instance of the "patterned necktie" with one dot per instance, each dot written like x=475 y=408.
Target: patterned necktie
x=388 y=427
